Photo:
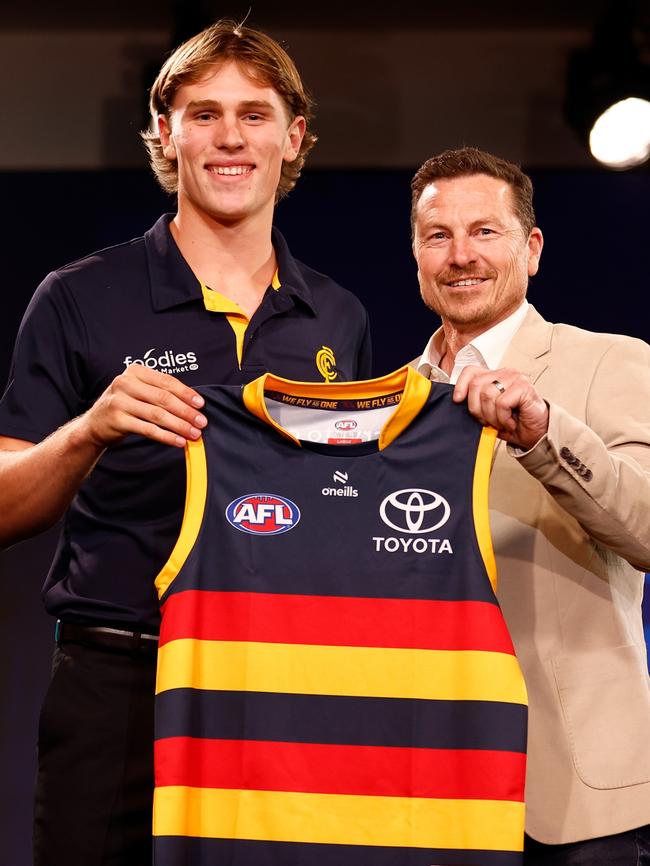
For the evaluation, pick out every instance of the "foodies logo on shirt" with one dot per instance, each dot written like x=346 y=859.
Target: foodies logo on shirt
x=167 y=361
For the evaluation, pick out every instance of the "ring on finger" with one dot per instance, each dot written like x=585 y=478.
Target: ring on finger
x=499 y=385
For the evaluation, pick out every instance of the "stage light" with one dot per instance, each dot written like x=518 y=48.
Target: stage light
x=620 y=137
x=608 y=88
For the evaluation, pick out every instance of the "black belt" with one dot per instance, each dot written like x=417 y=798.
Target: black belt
x=109 y=638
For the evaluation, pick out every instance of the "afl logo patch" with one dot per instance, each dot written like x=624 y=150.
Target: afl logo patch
x=263 y=514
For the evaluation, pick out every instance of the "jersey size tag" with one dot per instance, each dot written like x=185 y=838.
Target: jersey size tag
x=332 y=422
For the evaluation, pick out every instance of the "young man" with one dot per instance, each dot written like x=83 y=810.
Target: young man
x=101 y=402
x=569 y=499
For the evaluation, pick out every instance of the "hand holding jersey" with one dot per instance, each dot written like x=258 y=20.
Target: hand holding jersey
x=506 y=400
x=149 y=403
x=39 y=480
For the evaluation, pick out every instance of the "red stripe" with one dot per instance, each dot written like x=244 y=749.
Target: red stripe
x=328 y=769
x=335 y=621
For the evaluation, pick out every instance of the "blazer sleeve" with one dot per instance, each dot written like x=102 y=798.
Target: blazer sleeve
x=599 y=470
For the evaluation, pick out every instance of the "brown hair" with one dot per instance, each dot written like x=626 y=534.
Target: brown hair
x=260 y=57
x=470 y=160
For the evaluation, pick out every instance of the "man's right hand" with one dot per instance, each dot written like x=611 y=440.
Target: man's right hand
x=146 y=402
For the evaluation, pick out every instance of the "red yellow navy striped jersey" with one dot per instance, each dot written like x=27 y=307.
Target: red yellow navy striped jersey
x=336 y=684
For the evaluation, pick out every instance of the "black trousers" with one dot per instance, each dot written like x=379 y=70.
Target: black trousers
x=95 y=768
x=631 y=848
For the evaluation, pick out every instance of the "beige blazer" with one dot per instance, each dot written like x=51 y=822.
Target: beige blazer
x=571 y=529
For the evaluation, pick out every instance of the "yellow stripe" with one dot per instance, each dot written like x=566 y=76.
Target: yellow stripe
x=215 y=302
x=239 y=324
x=491 y=825
x=414 y=396
x=195 y=495
x=482 y=470
x=467 y=675
x=379 y=387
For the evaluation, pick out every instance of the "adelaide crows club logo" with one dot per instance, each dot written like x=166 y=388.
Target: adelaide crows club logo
x=263 y=514
x=326 y=364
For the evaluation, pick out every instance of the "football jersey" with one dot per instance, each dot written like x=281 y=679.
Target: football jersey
x=336 y=684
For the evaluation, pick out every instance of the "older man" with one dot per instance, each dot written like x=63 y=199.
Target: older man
x=570 y=503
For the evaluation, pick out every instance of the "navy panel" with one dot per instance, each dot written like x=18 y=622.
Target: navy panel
x=341 y=720
x=400 y=581
x=177 y=851
x=341 y=546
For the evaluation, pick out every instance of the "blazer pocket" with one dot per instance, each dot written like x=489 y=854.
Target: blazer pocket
x=605 y=698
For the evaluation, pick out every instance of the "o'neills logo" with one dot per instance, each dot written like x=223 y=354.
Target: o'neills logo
x=168 y=361
x=346 y=490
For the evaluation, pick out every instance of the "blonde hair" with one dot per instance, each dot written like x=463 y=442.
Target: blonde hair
x=260 y=57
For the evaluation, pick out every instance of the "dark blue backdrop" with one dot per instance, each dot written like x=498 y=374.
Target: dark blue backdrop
x=353 y=225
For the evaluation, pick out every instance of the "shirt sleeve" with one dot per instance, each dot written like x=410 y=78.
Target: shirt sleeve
x=46 y=379
x=599 y=470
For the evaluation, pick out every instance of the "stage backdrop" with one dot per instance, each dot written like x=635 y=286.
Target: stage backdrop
x=352 y=224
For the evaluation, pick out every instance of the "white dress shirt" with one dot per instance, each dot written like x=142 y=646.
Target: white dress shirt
x=486 y=350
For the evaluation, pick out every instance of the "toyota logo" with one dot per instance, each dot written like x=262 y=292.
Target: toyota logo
x=416 y=510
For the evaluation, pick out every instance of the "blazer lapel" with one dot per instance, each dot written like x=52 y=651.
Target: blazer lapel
x=530 y=347
x=528 y=352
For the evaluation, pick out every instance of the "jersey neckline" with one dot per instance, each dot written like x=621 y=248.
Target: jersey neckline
x=414 y=387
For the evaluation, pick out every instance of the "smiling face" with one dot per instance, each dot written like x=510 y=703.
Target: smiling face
x=473 y=257
x=229 y=135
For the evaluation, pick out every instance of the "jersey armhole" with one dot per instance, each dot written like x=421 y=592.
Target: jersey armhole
x=195 y=496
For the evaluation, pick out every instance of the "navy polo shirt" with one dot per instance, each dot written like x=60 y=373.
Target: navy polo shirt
x=139 y=302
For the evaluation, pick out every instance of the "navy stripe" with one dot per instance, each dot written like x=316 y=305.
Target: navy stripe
x=315 y=579
x=178 y=851
x=341 y=720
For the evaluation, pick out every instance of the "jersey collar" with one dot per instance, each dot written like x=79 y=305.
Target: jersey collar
x=415 y=390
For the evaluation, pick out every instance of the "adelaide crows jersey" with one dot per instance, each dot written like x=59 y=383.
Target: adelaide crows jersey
x=336 y=684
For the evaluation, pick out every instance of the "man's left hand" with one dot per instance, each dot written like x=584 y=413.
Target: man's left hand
x=505 y=400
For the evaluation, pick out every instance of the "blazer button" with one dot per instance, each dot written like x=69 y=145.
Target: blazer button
x=566 y=454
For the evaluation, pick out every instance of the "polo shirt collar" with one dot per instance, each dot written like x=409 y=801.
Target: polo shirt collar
x=173 y=282
x=292 y=281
